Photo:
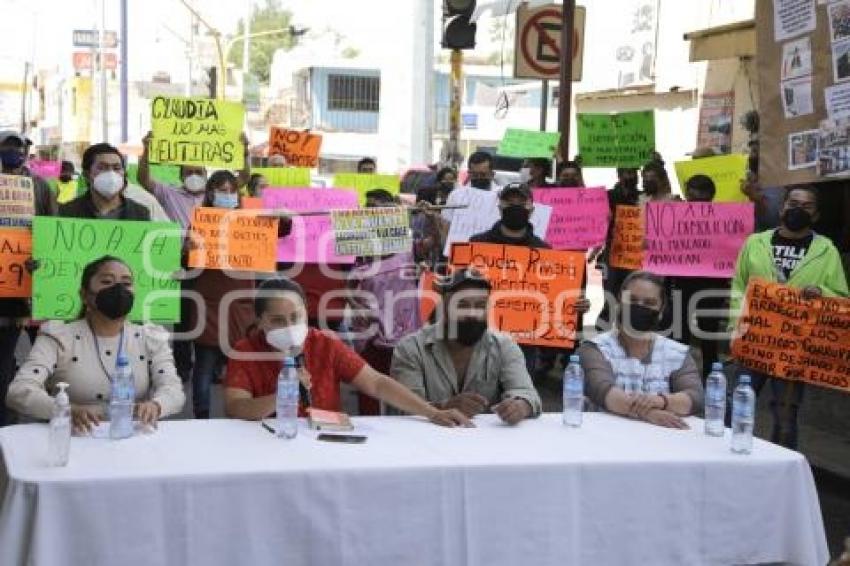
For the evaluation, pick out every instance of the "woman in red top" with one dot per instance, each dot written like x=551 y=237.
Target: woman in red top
x=252 y=371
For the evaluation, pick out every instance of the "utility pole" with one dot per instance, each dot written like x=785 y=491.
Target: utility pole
x=24 y=91
x=456 y=94
x=565 y=87
x=104 y=94
x=125 y=109
x=246 y=43
x=216 y=34
x=544 y=103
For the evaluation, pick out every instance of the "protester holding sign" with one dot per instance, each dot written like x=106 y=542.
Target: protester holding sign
x=516 y=204
x=83 y=353
x=281 y=330
x=458 y=363
x=106 y=178
x=624 y=193
x=635 y=372
x=794 y=255
x=14 y=312
x=570 y=174
x=656 y=181
x=384 y=306
x=700 y=188
x=535 y=172
x=13 y=158
x=213 y=285
x=481 y=175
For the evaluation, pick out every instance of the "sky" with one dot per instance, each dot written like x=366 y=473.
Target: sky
x=42 y=30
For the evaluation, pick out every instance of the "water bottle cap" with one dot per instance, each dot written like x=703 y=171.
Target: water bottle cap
x=744 y=379
x=62 y=395
x=716 y=366
x=574 y=358
x=289 y=362
x=122 y=360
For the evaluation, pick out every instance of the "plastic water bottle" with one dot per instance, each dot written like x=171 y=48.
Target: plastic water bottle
x=121 y=400
x=573 y=393
x=715 y=401
x=287 y=399
x=59 y=441
x=743 y=416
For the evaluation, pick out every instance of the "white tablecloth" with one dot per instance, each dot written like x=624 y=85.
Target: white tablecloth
x=229 y=493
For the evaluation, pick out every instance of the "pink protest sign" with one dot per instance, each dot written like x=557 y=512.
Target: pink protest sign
x=312 y=237
x=696 y=239
x=45 y=169
x=579 y=217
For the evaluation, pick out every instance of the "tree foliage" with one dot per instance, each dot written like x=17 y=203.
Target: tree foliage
x=268 y=17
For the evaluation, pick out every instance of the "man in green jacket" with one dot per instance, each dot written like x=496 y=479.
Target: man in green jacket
x=792 y=254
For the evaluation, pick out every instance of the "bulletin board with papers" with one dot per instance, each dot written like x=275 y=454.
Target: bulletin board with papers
x=804 y=87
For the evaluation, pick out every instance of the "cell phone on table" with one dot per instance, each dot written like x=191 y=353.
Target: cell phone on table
x=344 y=438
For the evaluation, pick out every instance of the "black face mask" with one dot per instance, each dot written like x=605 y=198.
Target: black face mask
x=447 y=187
x=515 y=217
x=482 y=184
x=470 y=330
x=114 y=302
x=65 y=178
x=640 y=317
x=796 y=219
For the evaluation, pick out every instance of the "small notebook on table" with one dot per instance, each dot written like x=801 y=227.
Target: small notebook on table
x=328 y=420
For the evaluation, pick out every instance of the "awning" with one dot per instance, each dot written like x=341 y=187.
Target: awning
x=723 y=42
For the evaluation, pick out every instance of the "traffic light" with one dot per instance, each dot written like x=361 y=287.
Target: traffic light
x=212 y=78
x=458 y=27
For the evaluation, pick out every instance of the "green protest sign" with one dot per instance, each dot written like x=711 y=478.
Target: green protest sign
x=616 y=140
x=197 y=131
x=284 y=177
x=161 y=173
x=528 y=143
x=365 y=182
x=64 y=246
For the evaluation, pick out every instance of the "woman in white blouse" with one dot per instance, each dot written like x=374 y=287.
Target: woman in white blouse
x=83 y=353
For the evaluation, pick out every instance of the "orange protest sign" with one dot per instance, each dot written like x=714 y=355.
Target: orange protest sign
x=427 y=300
x=627 y=243
x=784 y=335
x=236 y=240
x=534 y=290
x=252 y=203
x=301 y=149
x=15 y=250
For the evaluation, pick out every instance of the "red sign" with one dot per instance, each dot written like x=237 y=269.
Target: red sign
x=83 y=61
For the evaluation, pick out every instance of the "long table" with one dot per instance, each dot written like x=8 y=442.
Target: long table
x=223 y=492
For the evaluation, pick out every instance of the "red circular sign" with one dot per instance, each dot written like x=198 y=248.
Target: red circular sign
x=533 y=24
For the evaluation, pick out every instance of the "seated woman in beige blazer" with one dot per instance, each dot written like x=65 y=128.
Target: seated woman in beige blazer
x=83 y=353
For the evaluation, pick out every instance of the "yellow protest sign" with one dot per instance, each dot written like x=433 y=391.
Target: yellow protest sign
x=726 y=171
x=284 y=177
x=363 y=183
x=197 y=131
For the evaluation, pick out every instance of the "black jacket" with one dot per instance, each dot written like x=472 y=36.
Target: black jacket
x=83 y=207
x=495 y=236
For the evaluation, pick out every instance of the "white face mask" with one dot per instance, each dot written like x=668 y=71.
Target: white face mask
x=289 y=340
x=525 y=174
x=108 y=184
x=195 y=183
